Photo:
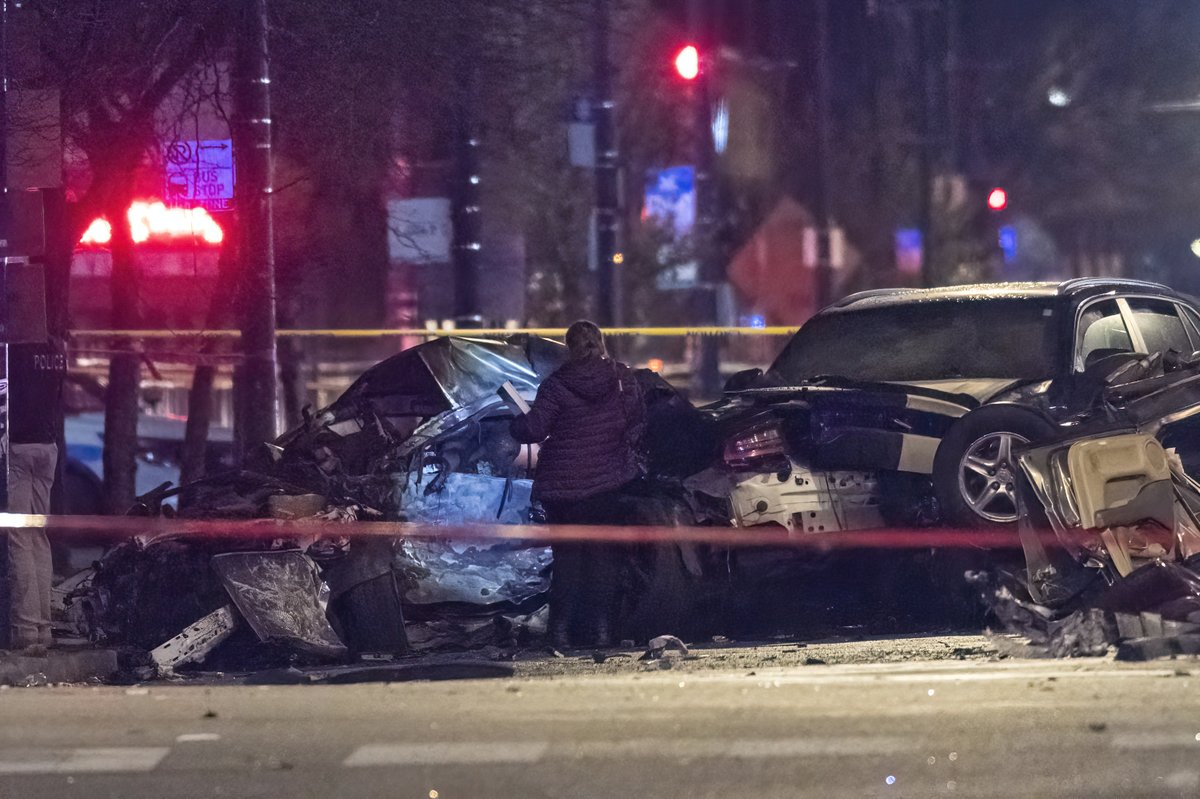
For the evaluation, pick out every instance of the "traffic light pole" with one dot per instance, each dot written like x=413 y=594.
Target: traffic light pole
x=823 y=283
x=608 y=214
x=707 y=379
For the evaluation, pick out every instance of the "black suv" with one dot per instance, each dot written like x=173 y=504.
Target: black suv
x=918 y=398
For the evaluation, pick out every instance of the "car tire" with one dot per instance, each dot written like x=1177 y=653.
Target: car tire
x=974 y=474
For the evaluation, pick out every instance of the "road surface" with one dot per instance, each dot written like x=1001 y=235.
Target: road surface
x=972 y=727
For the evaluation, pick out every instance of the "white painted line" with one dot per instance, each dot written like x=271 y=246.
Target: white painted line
x=431 y=754
x=1182 y=781
x=1156 y=740
x=828 y=746
x=80 y=761
x=196 y=737
x=738 y=748
x=464 y=753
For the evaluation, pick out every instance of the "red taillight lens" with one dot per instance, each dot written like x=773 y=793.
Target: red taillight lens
x=755 y=448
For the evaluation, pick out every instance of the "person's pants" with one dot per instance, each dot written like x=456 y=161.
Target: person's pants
x=584 y=585
x=31 y=470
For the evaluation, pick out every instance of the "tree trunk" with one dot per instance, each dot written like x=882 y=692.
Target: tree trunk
x=121 y=398
x=195 y=435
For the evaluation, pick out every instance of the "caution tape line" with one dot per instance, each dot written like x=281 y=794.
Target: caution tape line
x=547 y=332
x=113 y=528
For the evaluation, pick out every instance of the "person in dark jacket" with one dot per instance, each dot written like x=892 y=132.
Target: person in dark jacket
x=588 y=418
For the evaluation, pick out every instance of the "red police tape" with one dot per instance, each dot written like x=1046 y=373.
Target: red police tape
x=114 y=528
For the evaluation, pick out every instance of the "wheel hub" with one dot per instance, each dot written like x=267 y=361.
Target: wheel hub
x=987 y=477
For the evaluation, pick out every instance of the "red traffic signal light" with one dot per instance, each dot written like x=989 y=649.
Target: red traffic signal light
x=687 y=62
x=998 y=199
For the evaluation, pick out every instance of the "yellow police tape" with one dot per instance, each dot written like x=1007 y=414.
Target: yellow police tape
x=548 y=332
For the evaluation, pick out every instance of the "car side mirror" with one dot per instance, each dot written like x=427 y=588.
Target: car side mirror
x=1174 y=361
x=740 y=381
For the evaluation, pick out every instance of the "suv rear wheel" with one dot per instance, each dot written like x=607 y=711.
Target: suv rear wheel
x=975 y=473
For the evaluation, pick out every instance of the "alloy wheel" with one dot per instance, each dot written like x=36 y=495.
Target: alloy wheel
x=987 y=477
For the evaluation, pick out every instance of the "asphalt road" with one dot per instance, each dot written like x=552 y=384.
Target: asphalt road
x=972 y=727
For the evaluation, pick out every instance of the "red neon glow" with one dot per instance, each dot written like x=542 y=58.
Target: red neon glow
x=998 y=199
x=99 y=232
x=687 y=63
x=154 y=220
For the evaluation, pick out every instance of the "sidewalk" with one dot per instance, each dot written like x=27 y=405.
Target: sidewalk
x=59 y=665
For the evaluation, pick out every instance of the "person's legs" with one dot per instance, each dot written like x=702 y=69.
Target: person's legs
x=602 y=570
x=31 y=473
x=43 y=481
x=565 y=578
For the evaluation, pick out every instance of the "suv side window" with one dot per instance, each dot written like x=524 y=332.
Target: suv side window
x=1160 y=326
x=1101 y=332
x=1193 y=325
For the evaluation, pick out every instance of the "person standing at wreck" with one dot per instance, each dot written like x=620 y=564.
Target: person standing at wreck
x=588 y=418
x=36 y=375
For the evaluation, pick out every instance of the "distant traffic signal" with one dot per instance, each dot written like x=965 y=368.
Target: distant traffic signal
x=687 y=62
x=998 y=199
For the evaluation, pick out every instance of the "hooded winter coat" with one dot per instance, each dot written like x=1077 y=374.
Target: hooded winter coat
x=588 y=417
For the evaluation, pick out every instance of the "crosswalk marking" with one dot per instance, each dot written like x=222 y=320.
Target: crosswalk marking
x=428 y=754
x=81 y=760
x=480 y=752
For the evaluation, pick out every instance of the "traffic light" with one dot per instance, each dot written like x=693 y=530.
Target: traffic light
x=997 y=199
x=687 y=62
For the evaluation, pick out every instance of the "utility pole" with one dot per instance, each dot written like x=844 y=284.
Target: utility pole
x=608 y=215
x=707 y=380
x=466 y=207
x=256 y=387
x=823 y=283
x=467 y=219
x=5 y=236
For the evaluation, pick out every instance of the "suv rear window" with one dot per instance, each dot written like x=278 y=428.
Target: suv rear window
x=1001 y=338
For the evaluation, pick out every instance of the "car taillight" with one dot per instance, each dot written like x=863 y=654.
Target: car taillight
x=756 y=448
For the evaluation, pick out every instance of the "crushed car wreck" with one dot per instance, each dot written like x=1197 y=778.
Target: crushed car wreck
x=421 y=437
x=943 y=425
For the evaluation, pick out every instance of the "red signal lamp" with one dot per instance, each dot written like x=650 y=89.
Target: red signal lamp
x=154 y=221
x=687 y=62
x=998 y=199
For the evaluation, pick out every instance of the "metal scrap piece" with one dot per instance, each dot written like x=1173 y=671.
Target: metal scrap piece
x=196 y=642
x=279 y=595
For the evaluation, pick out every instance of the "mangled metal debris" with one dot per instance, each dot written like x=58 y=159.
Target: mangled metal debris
x=196 y=642
x=1120 y=567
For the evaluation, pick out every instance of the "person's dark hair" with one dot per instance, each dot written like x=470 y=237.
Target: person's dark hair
x=584 y=340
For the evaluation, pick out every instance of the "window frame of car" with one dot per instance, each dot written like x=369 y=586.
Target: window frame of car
x=1136 y=337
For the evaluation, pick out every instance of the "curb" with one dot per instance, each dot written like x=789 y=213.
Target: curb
x=56 y=667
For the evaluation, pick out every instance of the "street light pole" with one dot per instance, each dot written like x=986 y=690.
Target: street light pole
x=256 y=392
x=608 y=217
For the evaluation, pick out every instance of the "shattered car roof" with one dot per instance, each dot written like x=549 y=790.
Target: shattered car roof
x=456 y=371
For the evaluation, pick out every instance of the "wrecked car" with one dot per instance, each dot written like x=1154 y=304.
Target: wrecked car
x=421 y=437
x=906 y=407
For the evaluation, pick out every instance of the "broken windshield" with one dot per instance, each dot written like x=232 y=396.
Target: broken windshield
x=1001 y=338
